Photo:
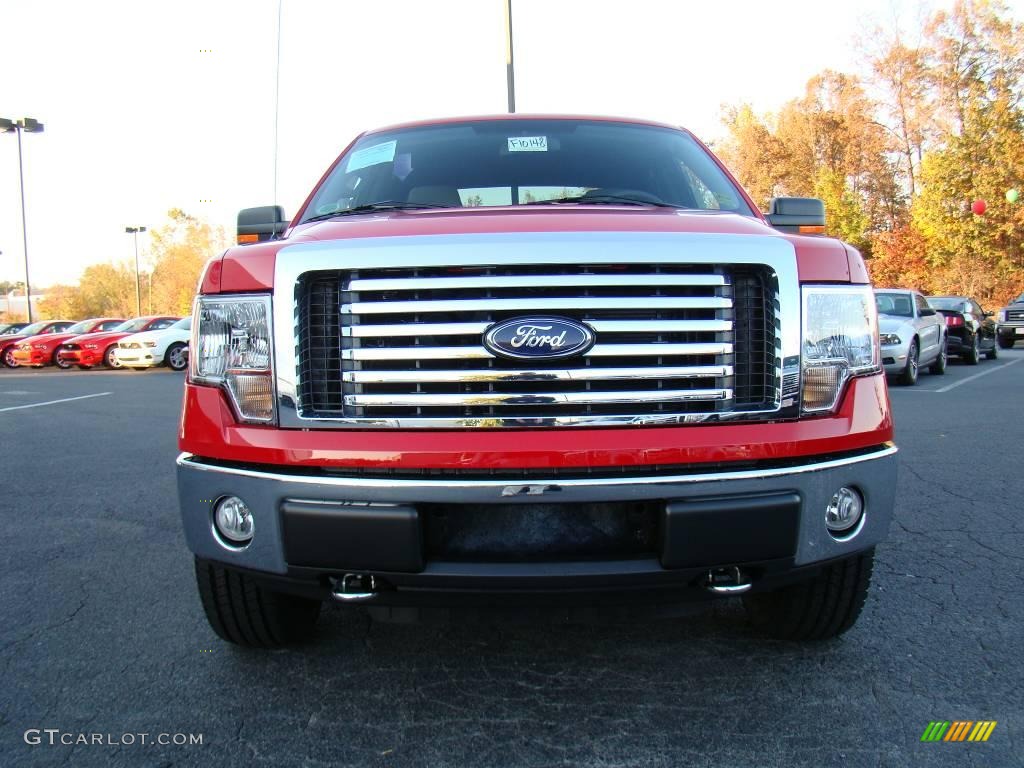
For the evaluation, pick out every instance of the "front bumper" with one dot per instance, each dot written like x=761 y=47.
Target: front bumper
x=31 y=357
x=137 y=358
x=894 y=357
x=82 y=356
x=375 y=526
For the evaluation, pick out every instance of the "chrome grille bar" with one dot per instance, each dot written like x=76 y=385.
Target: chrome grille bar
x=572 y=374
x=527 y=304
x=480 y=353
x=531 y=281
x=539 y=398
x=601 y=326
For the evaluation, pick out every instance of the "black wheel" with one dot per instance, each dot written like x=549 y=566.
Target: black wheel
x=993 y=354
x=243 y=612
x=85 y=367
x=909 y=375
x=819 y=608
x=939 y=366
x=176 y=357
x=110 y=358
x=1006 y=342
x=59 y=361
x=973 y=355
x=8 y=357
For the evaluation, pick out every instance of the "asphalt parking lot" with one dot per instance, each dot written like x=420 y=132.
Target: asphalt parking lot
x=102 y=630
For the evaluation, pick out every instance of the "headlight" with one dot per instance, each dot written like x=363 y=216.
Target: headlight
x=888 y=339
x=1002 y=315
x=840 y=341
x=149 y=343
x=233 y=349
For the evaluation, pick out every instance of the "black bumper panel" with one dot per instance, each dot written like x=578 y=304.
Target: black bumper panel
x=713 y=531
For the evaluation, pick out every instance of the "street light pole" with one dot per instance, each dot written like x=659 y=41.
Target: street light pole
x=29 y=125
x=134 y=231
x=510 y=64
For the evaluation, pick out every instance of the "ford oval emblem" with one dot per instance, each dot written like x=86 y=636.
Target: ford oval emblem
x=538 y=338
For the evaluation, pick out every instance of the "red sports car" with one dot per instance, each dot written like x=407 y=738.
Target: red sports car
x=43 y=349
x=10 y=342
x=91 y=349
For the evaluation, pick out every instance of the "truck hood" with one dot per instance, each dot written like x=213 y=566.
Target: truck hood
x=251 y=268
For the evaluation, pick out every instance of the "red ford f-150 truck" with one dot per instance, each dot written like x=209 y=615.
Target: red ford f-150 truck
x=527 y=360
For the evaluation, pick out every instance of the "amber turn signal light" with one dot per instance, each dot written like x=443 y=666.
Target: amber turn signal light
x=812 y=230
x=243 y=239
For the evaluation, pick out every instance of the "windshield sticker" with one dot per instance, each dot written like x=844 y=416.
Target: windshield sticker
x=528 y=144
x=378 y=153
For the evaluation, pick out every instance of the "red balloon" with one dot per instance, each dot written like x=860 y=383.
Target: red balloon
x=979 y=206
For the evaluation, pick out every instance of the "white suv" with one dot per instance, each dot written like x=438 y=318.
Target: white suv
x=152 y=348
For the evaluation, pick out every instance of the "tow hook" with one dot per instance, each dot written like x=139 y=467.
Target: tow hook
x=726 y=581
x=355 y=587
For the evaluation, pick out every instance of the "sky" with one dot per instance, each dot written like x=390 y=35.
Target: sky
x=149 y=106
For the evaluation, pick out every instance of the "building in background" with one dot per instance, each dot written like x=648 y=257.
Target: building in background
x=12 y=306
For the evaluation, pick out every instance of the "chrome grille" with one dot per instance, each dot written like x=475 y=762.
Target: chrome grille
x=675 y=342
x=1015 y=314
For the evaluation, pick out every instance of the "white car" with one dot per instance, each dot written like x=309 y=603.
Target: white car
x=168 y=346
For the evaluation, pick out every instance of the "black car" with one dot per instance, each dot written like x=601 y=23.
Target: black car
x=970 y=330
x=1011 y=323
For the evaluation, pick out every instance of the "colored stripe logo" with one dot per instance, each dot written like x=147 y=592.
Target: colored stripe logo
x=958 y=730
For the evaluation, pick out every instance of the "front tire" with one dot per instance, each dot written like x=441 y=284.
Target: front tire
x=820 y=608
x=973 y=355
x=176 y=357
x=1006 y=342
x=110 y=357
x=244 y=612
x=993 y=354
x=908 y=377
x=60 y=362
x=8 y=358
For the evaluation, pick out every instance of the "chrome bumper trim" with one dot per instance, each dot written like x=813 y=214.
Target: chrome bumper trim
x=535 y=487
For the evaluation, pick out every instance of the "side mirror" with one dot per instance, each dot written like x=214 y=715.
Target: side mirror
x=258 y=224
x=798 y=215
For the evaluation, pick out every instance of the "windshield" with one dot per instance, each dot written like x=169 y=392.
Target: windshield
x=185 y=324
x=32 y=330
x=898 y=304
x=82 y=326
x=520 y=162
x=133 y=325
x=948 y=302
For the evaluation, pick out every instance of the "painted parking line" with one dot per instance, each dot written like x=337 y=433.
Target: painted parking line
x=978 y=375
x=54 y=402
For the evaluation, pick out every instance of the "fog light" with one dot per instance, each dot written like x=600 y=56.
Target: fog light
x=844 y=511
x=233 y=522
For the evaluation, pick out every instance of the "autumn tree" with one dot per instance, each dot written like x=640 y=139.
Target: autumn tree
x=754 y=153
x=179 y=249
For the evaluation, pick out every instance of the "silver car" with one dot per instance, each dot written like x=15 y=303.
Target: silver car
x=913 y=334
